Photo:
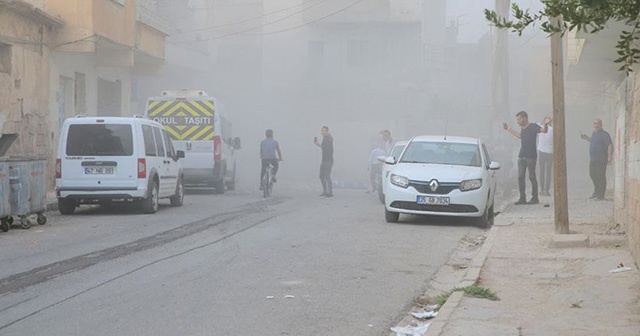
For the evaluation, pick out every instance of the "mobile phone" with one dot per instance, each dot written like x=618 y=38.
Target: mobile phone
x=315 y=139
x=505 y=126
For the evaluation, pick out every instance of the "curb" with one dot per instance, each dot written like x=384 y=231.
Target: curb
x=470 y=278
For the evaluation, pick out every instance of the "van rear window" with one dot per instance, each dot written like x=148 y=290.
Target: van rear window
x=100 y=140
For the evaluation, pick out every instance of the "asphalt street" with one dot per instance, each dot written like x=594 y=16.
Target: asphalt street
x=232 y=264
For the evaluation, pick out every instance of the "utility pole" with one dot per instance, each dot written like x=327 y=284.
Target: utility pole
x=501 y=67
x=561 y=208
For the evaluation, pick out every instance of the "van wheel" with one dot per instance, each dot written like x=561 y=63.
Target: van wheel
x=150 y=204
x=390 y=216
x=178 y=198
x=219 y=186
x=67 y=206
x=232 y=185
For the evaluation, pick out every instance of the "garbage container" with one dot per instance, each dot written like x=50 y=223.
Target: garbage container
x=5 y=194
x=27 y=187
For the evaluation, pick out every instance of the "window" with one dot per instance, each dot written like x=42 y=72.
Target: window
x=100 y=140
x=5 y=58
x=80 y=93
x=171 y=152
x=149 y=143
x=458 y=154
x=316 y=54
x=356 y=52
x=159 y=141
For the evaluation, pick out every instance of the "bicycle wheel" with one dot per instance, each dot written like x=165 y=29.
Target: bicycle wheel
x=266 y=184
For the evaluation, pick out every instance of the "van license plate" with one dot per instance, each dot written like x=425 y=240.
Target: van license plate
x=433 y=200
x=99 y=170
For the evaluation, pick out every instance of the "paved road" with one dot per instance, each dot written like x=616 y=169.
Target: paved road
x=209 y=267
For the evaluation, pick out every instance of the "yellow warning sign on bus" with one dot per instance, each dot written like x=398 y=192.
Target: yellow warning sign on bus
x=184 y=119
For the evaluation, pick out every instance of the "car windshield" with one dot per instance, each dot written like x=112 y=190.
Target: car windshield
x=459 y=154
x=100 y=140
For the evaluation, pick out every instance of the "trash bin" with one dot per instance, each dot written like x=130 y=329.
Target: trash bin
x=27 y=189
x=5 y=194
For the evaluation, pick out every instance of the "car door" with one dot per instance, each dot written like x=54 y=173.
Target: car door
x=491 y=174
x=165 y=180
x=154 y=161
x=173 y=166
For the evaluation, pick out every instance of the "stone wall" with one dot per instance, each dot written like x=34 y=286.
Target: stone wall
x=633 y=171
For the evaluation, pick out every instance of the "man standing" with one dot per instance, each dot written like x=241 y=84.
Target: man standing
x=601 y=153
x=528 y=155
x=545 y=154
x=327 y=161
x=270 y=154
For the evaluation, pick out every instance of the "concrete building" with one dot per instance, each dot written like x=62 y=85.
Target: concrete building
x=24 y=75
x=606 y=93
x=59 y=58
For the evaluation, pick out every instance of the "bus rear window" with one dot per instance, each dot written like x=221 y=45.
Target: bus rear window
x=100 y=140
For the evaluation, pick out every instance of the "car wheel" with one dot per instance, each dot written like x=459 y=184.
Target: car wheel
x=178 y=198
x=486 y=220
x=380 y=196
x=67 y=206
x=150 y=204
x=390 y=216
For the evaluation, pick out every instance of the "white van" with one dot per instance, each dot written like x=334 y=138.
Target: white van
x=197 y=127
x=109 y=159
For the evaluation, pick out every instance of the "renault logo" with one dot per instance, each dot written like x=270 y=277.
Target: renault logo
x=433 y=185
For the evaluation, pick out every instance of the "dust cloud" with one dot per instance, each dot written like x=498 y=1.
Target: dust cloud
x=358 y=67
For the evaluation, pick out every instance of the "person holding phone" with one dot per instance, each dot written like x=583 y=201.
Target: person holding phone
x=528 y=153
x=327 y=161
x=601 y=154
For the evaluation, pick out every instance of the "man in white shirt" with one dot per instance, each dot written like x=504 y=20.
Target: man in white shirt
x=545 y=158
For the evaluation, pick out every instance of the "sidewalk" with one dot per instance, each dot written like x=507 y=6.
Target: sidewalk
x=546 y=290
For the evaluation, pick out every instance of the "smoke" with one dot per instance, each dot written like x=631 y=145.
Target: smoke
x=355 y=66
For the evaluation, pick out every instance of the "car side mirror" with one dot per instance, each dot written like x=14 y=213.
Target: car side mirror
x=381 y=159
x=180 y=154
x=494 y=165
x=390 y=160
x=237 y=144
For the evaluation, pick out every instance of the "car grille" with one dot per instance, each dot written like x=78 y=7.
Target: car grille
x=455 y=208
x=443 y=189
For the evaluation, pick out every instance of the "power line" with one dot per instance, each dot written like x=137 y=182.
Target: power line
x=313 y=21
x=245 y=21
x=257 y=27
x=283 y=30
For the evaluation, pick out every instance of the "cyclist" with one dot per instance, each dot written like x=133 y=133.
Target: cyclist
x=270 y=154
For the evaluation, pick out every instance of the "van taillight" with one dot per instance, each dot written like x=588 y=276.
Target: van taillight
x=217 y=148
x=58 y=168
x=142 y=168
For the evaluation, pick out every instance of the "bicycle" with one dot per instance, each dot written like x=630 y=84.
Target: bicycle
x=267 y=181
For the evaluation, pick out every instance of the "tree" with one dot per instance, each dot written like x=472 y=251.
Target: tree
x=589 y=16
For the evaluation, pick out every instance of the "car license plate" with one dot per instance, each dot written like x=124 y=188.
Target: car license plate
x=99 y=170
x=433 y=200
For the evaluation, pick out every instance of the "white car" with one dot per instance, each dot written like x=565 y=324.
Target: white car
x=102 y=160
x=443 y=176
x=395 y=153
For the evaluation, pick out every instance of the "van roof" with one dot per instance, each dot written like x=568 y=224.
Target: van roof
x=111 y=120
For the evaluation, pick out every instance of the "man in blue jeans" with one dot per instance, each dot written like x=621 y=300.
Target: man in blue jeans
x=528 y=154
x=601 y=153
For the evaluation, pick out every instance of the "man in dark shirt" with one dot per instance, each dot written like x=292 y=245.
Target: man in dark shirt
x=270 y=154
x=327 y=161
x=528 y=154
x=601 y=153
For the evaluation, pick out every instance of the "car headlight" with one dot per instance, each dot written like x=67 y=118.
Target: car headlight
x=467 y=185
x=399 y=181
